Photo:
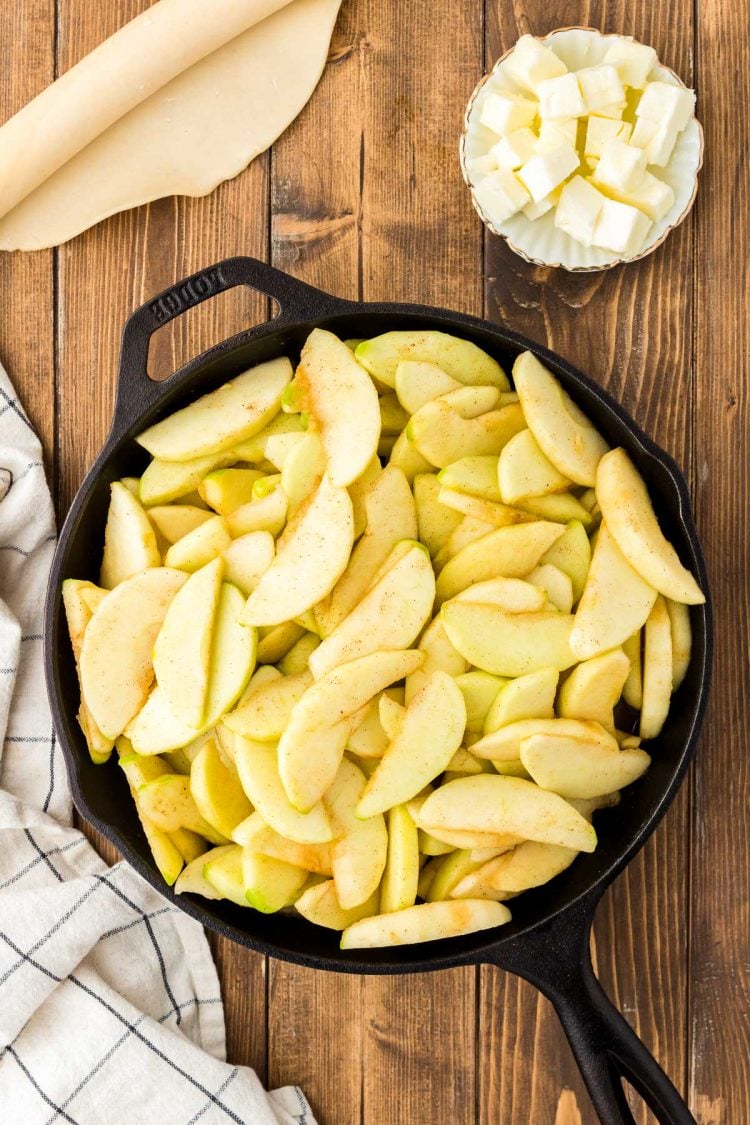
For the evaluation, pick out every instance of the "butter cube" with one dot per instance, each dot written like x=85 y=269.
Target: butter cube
x=620 y=165
x=600 y=86
x=579 y=209
x=560 y=98
x=480 y=166
x=530 y=63
x=515 y=149
x=632 y=60
x=656 y=140
x=648 y=194
x=599 y=130
x=546 y=170
x=501 y=195
x=621 y=228
x=668 y=105
x=554 y=133
x=612 y=112
x=504 y=112
x=535 y=211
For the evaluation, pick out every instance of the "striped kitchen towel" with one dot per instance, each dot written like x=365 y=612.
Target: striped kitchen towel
x=110 y=1010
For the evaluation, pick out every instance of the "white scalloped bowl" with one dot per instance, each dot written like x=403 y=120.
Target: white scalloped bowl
x=539 y=241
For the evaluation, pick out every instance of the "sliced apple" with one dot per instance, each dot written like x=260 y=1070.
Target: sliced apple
x=358 y=490
x=508 y=552
x=157 y=729
x=216 y=790
x=562 y=507
x=431 y=846
x=390 y=615
x=524 y=471
x=264 y=714
x=657 y=670
x=504 y=744
x=253 y=449
x=571 y=553
x=222 y=870
x=116 y=666
x=401 y=876
x=435 y=520
x=319 y=905
x=255 y=834
x=499 y=515
x=417 y=383
x=509 y=644
x=473 y=476
x=78 y=612
x=479 y=690
x=529 y=865
x=440 y=656
x=342 y=403
x=458 y=358
x=247 y=559
x=556 y=584
x=429 y=921
x=682 y=640
x=361 y=847
x=393 y=417
x=512 y=805
x=303 y=470
x=163 y=481
x=511 y=594
x=564 y=433
x=183 y=647
x=632 y=691
x=574 y=768
x=192 y=880
x=257 y=766
x=280 y=446
x=615 y=602
x=297 y=659
x=369 y=739
x=470 y=402
x=629 y=515
x=172 y=521
x=218 y=420
x=168 y=803
x=391 y=714
x=276 y=641
x=593 y=688
x=200 y=546
x=450 y=870
x=439 y=433
x=429 y=735
x=265 y=514
x=225 y=490
x=468 y=531
x=270 y=884
x=310 y=558
x=129 y=538
x=528 y=697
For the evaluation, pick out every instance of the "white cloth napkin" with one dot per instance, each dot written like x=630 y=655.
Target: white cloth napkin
x=110 y=1010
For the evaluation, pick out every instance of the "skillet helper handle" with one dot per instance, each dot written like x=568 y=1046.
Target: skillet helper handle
x=136 y=391
x=557 y=960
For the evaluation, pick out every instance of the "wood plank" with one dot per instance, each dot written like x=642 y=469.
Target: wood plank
x=103 y=275
x=27 y=35
x=630 y=328
x=720 y=875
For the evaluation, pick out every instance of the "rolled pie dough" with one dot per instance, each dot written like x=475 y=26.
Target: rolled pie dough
x=179 y=122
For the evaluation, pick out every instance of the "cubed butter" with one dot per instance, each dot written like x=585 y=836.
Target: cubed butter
x=667 y=105
x=579 y=209
x=632 y=60
x=560 y=98
x=501 y=195
x=621 y=228
x=613 y=111
x=599 y=130
x=504 y=112
x=515 y=149
x=546 y=170
x=648 y=194
x=480 y=166
x=535 y=211
x=530 y=63
x=600 y=86
x=656 y=140
x=554 y=133
x=620 y=165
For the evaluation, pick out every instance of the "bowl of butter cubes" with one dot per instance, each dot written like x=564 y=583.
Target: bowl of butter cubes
x=581 y=149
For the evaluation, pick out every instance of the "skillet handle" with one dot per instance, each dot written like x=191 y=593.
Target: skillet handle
x=556 y=959
x=296 y=300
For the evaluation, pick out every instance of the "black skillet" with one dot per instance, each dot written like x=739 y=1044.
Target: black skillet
x=548 y=940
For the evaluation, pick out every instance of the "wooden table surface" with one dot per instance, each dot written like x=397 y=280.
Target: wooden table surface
x=363 y=197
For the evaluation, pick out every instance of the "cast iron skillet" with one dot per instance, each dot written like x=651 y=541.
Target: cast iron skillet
x=548 y=940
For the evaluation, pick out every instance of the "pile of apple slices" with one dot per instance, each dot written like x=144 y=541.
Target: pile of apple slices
x=372 y=636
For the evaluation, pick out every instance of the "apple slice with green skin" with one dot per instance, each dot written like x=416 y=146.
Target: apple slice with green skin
x=524 y=471
x=369 y=740
x=468 y=531
x=632 y=691
x=514 y=595
x=116 y=664
x=509 y=644
x=164 y=481
x=562 y=507
x=474 y=476
x=275 y=642
x=270 y=884
x=225 y=490
x=265 y=514
x=264 y=715
x=360 y=850
x=439 y=656
x=429 y=735
x=167 y=856
x=593 y=688
x=450 y=870
x=320 y=906
x=358 y=490
x=303 y=470
x=615 y=602
x=222 y=870
x=504 y=744
x=200 y=546
x=390 y=615
x=296 y=660
x=172 y=521
x=479 y=690
x=499 y=515
x=527 y=697
x=460 y=359
x=508 y=552
x=564 y=433
x=342 y=403
x=417 y=383
x=435 y=520
x=129 y=538
x=574 y=768
x=470 y=402
x=255 y=834
x=556 y=584
x=391 y=716
x=219 y=420
x=257 y=766
x=407 y=458
x=401 y=876
x=529 y=865
x=657 y=670
x=169 y=804
x=682 y=640
x=489 y=803
x=253 y=449
x=78 y=612
x=189 y=844
x=628 y=513
x=310 y=557
x=216 y=790
x=247 y=559
x=439 y=433
x=192 y=880
x=313 y=743
x=183 y=647
x=391 y=518
x=429 y=921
